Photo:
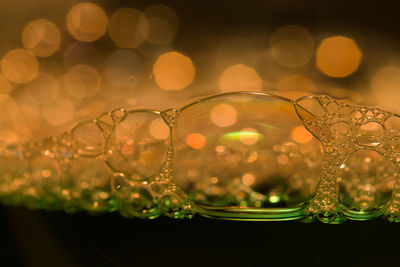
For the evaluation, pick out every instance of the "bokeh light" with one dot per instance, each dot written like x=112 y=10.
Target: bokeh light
x=82 y=81
x=73 y=85
x=338 y=56
x=292 y=46
x=248 y=179
x=249 y=136
x=223 y=115
x=90 y=110
x=123 y=68
x=5 y=85
x=31 y=117
x=296 y=82
x=301 y=135
x=82 y=53
x=87 y=22
x=43 y=90
x=195 y=140
x=385 y=85
x=163 y=24
x=128 y=28
x=131 y=101
x=9 y=108
x=41 y=37
x=240 y=78
x=24 y=126
x=59 y=112
x=159 y=129
x=173 y=71
x=19 y=66
x=235 y=49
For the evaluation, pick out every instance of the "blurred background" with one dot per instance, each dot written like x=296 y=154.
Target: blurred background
x=62 y=62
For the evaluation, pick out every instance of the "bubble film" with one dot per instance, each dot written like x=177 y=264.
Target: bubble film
x=237 y=152
x=234 y=156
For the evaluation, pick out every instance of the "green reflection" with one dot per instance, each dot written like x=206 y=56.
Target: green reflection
x=266 y=125
x=274 y=199
x=235 y=136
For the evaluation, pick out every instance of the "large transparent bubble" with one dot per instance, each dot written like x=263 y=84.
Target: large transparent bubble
x=245 y=155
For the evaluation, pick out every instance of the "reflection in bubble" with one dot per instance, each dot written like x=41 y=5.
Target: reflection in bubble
x=19 y=66
x=163 y=24
x=87 y=139
x=223 y=115
x=292 y=46
x=87 y=22
x=251 y=161
x=128 y=28
x=131 y=101
x=338 y=56
x=133 y=150
x=362 y=181
x=41 y=37
x=195 y=140
x=240 y=78
x=301 y=135
x=173 y=71
x=159 y=129
x=249 y=136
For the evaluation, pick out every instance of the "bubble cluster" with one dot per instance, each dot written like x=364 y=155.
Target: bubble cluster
x=264 y=165
x=234 y=156
x=346 y=130
x=120 y=160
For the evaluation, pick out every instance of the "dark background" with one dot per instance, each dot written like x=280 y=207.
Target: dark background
x=36 y=238
x=33 y=238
